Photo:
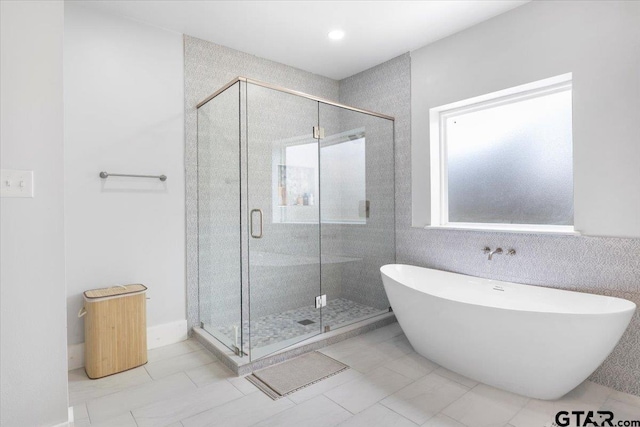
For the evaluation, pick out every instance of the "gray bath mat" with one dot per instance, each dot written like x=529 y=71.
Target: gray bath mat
x=286 y=377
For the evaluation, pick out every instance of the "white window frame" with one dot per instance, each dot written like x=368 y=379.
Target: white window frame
x=438 y=151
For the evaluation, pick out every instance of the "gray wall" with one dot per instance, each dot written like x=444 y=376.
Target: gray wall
x=33 y=353
x=605 y=266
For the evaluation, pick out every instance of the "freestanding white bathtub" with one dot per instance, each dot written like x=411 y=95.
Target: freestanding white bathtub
x=530 y=340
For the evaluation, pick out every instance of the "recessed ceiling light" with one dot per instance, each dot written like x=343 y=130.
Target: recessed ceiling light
x=336 y=34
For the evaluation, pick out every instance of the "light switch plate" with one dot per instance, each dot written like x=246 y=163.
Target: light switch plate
x=16 y=183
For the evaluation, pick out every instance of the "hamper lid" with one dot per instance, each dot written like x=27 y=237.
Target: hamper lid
x=114 y=291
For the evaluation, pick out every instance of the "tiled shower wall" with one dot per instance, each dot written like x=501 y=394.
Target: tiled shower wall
x=372 y=244
x=605 y=266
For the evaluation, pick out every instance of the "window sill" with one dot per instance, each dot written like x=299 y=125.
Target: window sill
x=509 y=228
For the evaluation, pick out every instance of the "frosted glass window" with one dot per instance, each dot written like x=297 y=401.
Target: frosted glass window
x=510 y=161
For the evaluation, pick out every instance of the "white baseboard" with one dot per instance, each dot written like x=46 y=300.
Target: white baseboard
x=67 y=423
x=167 y=333
x=157 y=336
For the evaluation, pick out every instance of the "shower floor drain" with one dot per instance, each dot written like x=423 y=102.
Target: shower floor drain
x=306 y=322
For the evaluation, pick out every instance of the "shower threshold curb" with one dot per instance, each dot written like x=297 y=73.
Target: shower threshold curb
x=243 y=366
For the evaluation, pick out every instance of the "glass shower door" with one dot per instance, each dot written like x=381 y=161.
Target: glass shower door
x=283 y=215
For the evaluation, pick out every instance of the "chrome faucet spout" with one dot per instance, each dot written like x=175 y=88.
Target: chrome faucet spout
x=497 y=251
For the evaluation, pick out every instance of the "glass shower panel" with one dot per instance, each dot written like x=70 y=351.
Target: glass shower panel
x=283 y=214
x=357 y=213
x=219 y=236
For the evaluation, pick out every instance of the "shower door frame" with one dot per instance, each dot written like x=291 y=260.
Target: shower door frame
x=292 y=92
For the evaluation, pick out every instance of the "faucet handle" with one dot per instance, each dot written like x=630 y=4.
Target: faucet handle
x=511 y=252
x=486 y=249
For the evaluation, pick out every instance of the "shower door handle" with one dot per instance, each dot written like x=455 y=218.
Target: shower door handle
x=256 y=236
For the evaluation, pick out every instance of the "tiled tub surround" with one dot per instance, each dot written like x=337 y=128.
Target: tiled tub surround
x=605 y=266
x=388 y=385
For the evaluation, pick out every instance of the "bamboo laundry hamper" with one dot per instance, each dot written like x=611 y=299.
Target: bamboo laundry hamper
x=115 y=329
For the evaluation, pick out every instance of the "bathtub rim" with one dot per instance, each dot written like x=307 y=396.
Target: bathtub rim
x=628 y=310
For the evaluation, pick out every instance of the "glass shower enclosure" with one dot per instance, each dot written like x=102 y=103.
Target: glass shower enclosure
x=296 y=214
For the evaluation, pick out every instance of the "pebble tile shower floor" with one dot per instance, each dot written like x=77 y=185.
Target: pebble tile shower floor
x=282 y=326
x=388 y=385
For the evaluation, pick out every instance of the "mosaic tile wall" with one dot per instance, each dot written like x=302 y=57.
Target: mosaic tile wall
x=605 y=266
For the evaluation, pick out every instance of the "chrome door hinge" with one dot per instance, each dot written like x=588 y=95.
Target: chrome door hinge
x=321 y=301
x=318 y=132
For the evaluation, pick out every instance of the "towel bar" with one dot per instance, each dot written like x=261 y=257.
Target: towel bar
x=106 y=175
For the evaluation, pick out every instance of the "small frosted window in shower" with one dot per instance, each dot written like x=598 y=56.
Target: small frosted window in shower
x=509 y=161
x=340 y=172
x=296 y=182
x=343 y=179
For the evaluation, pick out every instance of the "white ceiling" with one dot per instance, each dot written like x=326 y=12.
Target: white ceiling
x=295 y=32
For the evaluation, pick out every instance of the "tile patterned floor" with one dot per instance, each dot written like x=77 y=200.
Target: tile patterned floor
x=277 y=327
x=389 y=385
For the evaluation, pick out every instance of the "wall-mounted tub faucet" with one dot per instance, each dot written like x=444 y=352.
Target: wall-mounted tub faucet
x=496 y=251
x=487 y=250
